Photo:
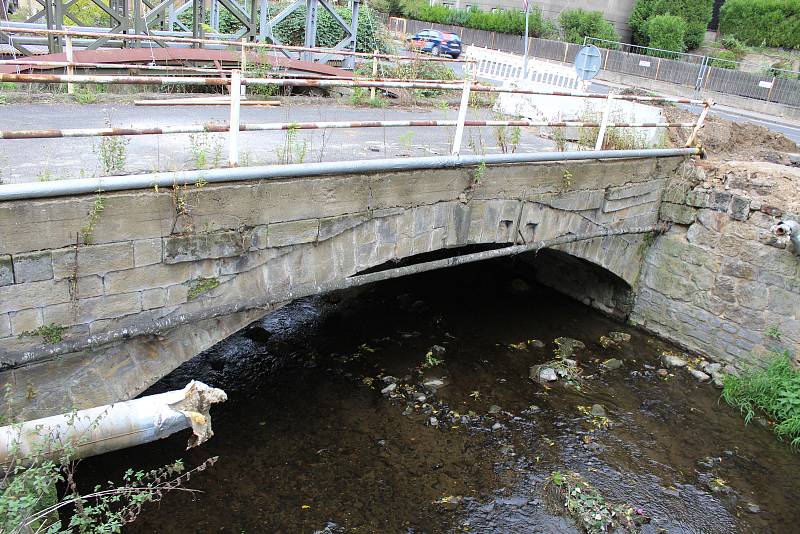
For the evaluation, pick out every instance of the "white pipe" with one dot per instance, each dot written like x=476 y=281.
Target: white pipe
x=790 y=229
x=115 y=426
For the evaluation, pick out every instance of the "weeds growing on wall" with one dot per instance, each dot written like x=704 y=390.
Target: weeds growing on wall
x=773 y=391
x=87 y=230
x=206 y=150
x=293 y=150
x=113 y=153
x=50 y=333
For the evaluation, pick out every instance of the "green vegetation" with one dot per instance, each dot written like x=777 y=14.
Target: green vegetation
x=431 y=361
x=666 y=32
x=205 y=149
x=200 y=286
x=504 y=21
x=293 y=150
x=773 y=391
x=588 y=507
x=51 y=333
x=695 y=13
x=762 y=22
x=29 y=486
x=113 y=153
x=87 y=231
x=724 y=60
x=579 y=23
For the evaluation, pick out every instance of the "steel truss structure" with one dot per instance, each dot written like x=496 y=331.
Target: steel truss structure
x=163 y=18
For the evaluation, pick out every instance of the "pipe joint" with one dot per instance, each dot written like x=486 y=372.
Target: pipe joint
x=790 y=229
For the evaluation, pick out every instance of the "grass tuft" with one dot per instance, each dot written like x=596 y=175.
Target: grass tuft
x=774 y=391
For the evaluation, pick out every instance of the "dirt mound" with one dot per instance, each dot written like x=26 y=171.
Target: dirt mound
x=724 y=139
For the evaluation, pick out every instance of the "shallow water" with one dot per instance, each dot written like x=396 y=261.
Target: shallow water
x=308 y=442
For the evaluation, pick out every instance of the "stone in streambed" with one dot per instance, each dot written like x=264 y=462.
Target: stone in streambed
x=672 y=360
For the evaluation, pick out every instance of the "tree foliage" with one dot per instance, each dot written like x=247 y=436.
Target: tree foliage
x=762 y=22
x=579 y=23
x=666 y=32
x=695 y=13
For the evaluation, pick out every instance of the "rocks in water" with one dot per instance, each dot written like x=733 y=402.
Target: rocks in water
x=753 y=508
x=567 y=346
x=541 y=373
x=612 y=363
x=389 y=379
x=437 y=350
x=433 y=421
x=532 y=409
x=493 y=409
x=535 y=343
x=699 y=375
x=420 y=396
x=663 y=373
x=598 y=410
x=434 y=383
x=672 y=360
x=619 y=337
x=496 y=427
x=389 y=389
x=607 y=342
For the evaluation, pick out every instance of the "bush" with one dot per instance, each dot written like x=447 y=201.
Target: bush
x=505 y=21
x=762 y=22
x=775 y=391
x=724 y=60
x=578 y=23
x=695 y=13
x=667 y=32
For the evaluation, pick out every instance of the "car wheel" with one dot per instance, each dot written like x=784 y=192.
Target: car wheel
x=454 y=56
x=436 y=51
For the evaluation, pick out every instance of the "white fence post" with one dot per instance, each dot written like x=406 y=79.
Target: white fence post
x=699 y=124
x=601 y=135
x=233 y=134
x=70 y=67
x=462 y=116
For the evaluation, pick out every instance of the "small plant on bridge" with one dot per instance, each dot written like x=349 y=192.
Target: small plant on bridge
x=406 y=140
x=774 y=391
x=560 y=139
x=205 y=149
x=85 y=94
x=566 y=180
x=87 y=231
x=200 y=286
x=51 y=333
x=292 y=151
x=508 y=138
x=112 y=152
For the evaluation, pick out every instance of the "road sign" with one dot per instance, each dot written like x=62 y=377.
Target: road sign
x=587 y=62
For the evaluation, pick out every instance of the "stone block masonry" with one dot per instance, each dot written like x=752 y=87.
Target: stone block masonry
x=718 y=280
x=247 y=248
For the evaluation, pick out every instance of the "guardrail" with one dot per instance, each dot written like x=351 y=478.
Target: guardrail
x=236 y=81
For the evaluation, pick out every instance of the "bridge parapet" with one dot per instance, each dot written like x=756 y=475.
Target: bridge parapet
x=170 y=272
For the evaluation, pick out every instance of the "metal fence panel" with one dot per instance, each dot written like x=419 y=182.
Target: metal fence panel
x=734 y=82
x=786 y=91
x=674 y=71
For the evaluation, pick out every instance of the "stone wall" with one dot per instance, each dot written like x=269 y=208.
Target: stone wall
x=718 y=280
x=190 y=265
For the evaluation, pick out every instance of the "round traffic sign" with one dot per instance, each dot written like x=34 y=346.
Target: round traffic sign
x=587 y=62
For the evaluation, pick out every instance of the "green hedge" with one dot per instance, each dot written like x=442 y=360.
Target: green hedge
x=696 y=14
x=578 y=23
x=762 y=22
x=667 y=32
x=505 y=21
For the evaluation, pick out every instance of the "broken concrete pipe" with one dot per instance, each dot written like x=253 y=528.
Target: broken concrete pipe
x=792 y=230
x=112 y=427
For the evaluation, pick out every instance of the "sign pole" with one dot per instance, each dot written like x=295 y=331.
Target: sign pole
x=525 y=57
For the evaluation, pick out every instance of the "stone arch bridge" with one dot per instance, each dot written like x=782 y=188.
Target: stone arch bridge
x=172 y=271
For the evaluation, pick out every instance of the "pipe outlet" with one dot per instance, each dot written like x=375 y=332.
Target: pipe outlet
x=790 y=229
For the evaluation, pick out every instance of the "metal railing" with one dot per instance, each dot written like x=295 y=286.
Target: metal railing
x=236 y=81
x=690 y=70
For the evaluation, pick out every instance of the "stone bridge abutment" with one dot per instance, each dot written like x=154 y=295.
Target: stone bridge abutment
x=131 y=284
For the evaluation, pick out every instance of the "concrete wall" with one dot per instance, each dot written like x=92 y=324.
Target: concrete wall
x=718 y=280
x=266 y=243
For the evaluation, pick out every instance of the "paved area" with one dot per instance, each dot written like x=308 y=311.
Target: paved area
x=53 y=159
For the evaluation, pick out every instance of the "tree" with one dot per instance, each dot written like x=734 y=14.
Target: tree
x=695 y=13
x=578 y=23
x=666 y=32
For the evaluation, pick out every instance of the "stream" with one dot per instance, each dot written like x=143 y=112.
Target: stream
x=465 y=440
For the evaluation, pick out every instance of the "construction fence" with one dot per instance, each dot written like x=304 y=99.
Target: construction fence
x=689 y=70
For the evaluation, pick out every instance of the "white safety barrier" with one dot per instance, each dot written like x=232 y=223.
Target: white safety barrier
x=501 y=66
